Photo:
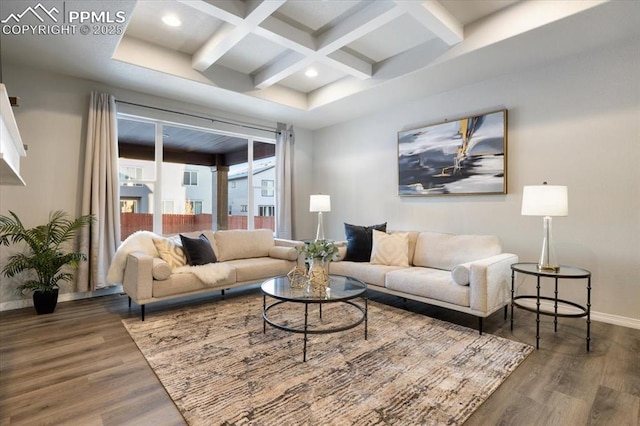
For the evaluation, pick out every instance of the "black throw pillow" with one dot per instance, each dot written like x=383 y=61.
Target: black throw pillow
x=198 y=250
x=360 y=241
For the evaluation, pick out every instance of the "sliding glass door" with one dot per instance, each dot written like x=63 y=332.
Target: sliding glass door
x=177 y=178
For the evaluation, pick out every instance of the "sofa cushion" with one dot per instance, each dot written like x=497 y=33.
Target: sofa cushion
x=259 y=268
x=360 y=240
x=390 y=249
x=183 y=283
x=243 y=244
x=445 y=251
x=430 y=283
x=198 y=250
x=170 y=252
x=161 y=270
x=364 y=271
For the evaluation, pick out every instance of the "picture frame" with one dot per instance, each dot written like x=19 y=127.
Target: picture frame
x=465 y=156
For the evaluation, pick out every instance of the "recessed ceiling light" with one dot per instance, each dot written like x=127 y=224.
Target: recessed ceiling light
x=171 y=20
x=311 y=73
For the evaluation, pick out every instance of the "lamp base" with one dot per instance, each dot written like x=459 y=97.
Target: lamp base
x=320 y=230
x=548 y=268
x=547 y=260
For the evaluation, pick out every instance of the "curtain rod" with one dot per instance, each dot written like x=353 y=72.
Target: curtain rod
x=213 y=120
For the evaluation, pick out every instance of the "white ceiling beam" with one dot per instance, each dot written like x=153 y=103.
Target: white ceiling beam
x=304 y=45
x=281 y=69
x=295 y=61
x=304 y=48
x=220 y=43
x=288 y=36
x=230 y=34
x=231 y=11
x=369 y=19
x=433 y=16
x=349 y=64
x=259 y=10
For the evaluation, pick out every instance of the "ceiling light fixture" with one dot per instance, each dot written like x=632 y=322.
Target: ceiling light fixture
x=311 y=73
x=171 y=20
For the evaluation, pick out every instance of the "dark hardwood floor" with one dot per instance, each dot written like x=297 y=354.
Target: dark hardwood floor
x=78 y=366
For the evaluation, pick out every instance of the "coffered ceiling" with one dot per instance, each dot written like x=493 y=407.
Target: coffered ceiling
x=266 y=48
x=251 y=57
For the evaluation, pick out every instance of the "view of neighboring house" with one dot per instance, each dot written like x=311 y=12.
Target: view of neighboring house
x=188 y=189
x=264 y=189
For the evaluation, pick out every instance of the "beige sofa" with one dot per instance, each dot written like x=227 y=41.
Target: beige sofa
x=466 y=273
x=149 y=272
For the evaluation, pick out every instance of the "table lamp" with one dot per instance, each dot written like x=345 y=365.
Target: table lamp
x=546 y=200
x=320 y=203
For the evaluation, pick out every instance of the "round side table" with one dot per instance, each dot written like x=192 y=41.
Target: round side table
x=565 y=272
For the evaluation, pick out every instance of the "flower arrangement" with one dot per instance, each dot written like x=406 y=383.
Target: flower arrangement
x=320 y=249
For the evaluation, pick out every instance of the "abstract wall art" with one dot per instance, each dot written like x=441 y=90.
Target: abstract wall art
x=457 y=157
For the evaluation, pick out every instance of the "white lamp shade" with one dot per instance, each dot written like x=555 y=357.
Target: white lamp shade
x=545 y=200
x=320 y=203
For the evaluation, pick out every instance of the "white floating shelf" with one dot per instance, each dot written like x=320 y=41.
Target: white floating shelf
x=11 y=148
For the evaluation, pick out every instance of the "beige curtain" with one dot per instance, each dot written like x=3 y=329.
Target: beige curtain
x=101 y=193
x=284 y=175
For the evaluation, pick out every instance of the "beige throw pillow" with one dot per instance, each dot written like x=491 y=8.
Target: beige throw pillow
x=243 y=244
x=170 y=253
x=390 y=249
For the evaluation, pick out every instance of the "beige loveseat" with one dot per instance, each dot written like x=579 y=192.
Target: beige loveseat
x=466 y=273
x=146 y=263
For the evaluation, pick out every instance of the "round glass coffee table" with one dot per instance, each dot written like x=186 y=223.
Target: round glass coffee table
x=341 y=289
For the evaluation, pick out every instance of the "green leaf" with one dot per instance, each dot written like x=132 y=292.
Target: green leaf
x=45 y=257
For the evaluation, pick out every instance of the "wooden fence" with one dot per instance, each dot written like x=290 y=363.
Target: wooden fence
x=176 y=223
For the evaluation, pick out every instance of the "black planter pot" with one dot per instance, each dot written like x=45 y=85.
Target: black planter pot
x=45 y=302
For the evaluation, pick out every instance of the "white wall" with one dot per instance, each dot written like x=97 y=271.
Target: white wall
x=52 y=122
x=575 y=122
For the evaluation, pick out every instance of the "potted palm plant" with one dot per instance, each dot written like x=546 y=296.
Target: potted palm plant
x=41 y=265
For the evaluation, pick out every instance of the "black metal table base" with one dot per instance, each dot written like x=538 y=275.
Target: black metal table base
x=584 y=311
x=305 y=329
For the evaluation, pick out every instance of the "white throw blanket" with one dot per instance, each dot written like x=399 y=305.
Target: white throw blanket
x=210 y=274
x=138 y=241
x=142 y=241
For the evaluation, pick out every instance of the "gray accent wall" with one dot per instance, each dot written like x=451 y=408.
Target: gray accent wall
x=574 y=122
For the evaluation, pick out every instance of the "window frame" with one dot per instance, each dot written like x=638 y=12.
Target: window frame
x=191 y=174
x=160 y=119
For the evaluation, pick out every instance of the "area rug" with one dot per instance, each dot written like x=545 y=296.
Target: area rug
x=220 y=368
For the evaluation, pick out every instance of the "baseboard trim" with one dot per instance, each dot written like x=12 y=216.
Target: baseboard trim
x=546 y=305
x=595 y=316
x=63 y=297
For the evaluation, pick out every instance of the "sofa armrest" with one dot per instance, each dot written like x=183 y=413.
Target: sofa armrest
x=489 y=282
x=138 y=276
x=284 y=253
x=282 y=242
